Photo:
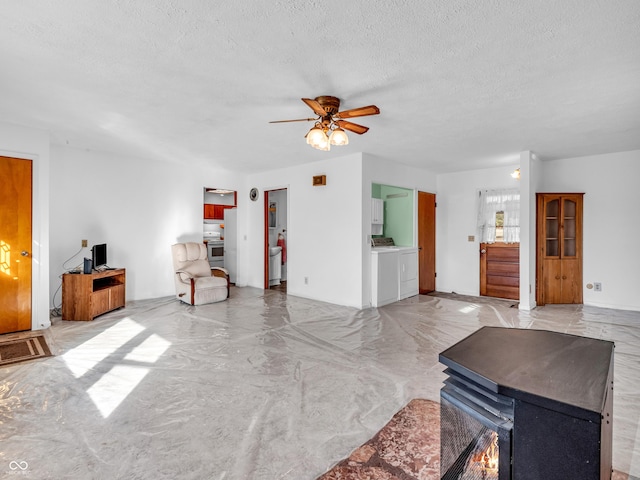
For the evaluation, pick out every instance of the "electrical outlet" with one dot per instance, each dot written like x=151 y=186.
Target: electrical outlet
x=306 y=280
x=597 y=287
x=85 y=243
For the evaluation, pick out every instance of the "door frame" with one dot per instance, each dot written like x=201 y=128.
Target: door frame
x=31 y=144
x=265 y=242
x=265 y=225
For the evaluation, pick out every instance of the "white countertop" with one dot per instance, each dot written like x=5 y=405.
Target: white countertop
x=396 y=248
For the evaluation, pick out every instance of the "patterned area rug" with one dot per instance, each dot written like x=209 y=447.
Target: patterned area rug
x=407 y=448
x=22 y=349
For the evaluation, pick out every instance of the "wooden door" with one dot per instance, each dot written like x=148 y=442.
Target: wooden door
x=15 y=244
x=426 y=242
x=500 y=270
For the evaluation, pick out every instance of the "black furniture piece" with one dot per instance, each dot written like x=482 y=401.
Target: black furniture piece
x=542 y=399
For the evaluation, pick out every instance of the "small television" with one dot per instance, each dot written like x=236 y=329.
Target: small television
x=99 y=256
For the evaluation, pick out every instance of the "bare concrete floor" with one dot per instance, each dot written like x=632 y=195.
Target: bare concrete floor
x=261 y=386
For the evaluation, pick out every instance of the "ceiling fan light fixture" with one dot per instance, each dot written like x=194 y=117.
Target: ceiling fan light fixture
x=338 y=137
x=323 y=144
x=316 y=136
x=330 y=124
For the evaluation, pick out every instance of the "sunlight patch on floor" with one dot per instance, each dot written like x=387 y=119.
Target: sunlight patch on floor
x=114 y=386
x=89 y=354
x=110 y=390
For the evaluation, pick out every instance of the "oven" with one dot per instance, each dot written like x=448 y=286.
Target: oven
x=215 y=252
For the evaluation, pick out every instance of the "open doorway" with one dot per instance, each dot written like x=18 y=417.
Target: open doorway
x=275 y=241
x=219 y=231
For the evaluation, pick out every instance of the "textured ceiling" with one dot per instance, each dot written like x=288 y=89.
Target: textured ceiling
x=460 y=84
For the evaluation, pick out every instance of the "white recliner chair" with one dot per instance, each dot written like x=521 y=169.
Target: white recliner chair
x=196 y=282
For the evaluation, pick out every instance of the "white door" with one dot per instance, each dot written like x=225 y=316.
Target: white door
x=231 y=242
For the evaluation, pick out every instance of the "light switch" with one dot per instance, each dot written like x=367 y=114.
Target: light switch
x=471 y=238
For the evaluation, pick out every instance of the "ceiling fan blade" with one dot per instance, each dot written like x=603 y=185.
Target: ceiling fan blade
x=352 y=127
x=297 y=120
x=315 y=106
x=359 y=112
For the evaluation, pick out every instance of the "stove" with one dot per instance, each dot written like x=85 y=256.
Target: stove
x=527 y=405
x=215 y=250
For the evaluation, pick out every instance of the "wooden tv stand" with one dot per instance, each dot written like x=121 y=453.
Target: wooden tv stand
x=87 y=295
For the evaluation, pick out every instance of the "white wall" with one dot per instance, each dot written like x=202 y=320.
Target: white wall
x=328 y=226
x=32 y=144
x=611 y=222
x=324 y=230
x=457 y=259
x=138 y=207
x=531 y=179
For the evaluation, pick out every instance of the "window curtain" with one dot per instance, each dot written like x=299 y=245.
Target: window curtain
x=492 y=202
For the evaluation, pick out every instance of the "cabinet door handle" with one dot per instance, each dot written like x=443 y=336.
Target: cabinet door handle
x=564 y=277
x=484 y=250
x=24 y=253
x=557 y=277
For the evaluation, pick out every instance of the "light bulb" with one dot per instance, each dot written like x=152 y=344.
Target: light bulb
x=338 y=137
x=323 y=144
x=315 y=136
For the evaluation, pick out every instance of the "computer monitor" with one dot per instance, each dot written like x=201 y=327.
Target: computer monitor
x=99 y=255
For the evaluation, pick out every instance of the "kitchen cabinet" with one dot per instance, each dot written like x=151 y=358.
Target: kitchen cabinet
x=394 y=274
x=377 y=211
x=214 y=211
x=377 y=216
x=559 y=248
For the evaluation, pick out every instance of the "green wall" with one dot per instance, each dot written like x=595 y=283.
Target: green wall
x=398 y=212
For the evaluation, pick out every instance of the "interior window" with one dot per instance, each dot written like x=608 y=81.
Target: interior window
x=499 y=226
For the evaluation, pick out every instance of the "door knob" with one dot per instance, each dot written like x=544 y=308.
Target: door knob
x=484 y=250
x=24 y=253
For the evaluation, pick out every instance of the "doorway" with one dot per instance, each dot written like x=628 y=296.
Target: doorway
x=275 y=239
x=15 y=244
x=220 y=229
x=426 y=242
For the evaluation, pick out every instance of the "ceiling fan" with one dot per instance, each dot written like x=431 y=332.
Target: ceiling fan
x=330 y=123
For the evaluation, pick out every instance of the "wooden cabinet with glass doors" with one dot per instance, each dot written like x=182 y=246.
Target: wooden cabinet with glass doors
x=559 y=248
